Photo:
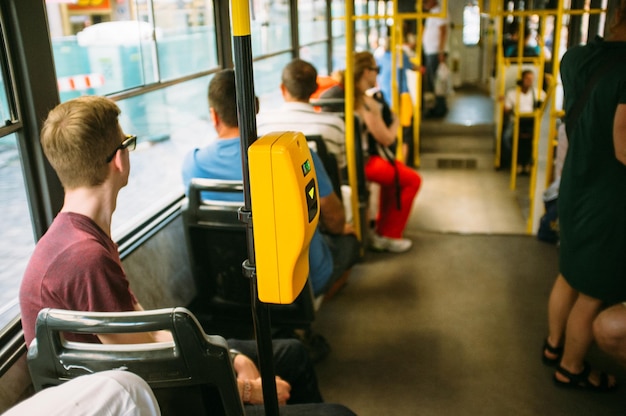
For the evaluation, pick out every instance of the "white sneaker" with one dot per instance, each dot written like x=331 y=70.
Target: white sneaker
x=377 y=242
x=394 y=245
x=399 y=245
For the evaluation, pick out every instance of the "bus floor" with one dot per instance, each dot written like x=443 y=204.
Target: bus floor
x=455 y=326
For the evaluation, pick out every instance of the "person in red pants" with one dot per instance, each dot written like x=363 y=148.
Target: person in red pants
x=399 y=184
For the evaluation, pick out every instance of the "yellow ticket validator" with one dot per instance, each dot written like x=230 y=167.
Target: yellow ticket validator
x=285 y=211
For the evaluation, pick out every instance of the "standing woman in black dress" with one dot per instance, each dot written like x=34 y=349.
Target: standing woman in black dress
x=592 y=205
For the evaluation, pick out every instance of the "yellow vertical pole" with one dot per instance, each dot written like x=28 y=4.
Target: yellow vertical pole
x=394 y=46
x=417 y=116
x=349 y=111
x=495 y=35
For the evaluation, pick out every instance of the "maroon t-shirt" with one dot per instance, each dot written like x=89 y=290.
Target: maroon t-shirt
x=75 y=266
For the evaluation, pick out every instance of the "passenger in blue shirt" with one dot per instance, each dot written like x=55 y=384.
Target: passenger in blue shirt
x=221 y=159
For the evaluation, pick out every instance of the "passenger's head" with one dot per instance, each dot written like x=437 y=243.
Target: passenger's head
x=513 y=29
x=429 y=4
x=79 y=137
x=299 y=79
x=528 y=79
x=222 y=97
x=365 y=71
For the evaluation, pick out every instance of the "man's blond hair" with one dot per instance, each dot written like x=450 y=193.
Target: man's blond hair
x=78 y=136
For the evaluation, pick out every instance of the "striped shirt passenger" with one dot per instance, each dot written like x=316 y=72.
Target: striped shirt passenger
x=299 y=116
x=299 y=82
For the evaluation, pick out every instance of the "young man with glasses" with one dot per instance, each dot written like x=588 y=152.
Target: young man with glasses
x=76 y=265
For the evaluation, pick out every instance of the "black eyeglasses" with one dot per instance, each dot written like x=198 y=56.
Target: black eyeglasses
x=130 y=142
x=375 y=69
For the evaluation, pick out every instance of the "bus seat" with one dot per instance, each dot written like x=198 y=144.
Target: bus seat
x=193 y=375
x=336 y=105
x=316 y=142
x=217 y=246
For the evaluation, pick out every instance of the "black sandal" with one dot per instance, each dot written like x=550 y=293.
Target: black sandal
x=557 y=351
x=581 y=380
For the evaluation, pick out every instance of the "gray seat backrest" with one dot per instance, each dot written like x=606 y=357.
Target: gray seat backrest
x=192 y=375
x=217 y=245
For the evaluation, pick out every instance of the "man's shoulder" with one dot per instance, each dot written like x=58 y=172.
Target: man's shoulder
x=302 y=113
x=214 y=147
x=73 y=237
x=64 y=252
x=286 y=108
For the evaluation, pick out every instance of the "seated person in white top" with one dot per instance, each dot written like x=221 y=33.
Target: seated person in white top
x=299 y=82
x=527 y=97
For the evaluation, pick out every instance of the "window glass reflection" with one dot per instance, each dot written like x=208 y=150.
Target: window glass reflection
x=102 y=48
x=5 y=110
x=361 y=29
x=16 y=240
x=270 y=27
x=167 y=123
x=187 y=44
x=101 y=58
x=311 y=21
x=267 y=79
x=316 y=54
x=471 y=25
x=338 y=13
x=339 y=53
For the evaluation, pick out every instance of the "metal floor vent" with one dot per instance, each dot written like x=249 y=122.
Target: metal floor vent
x=456 y=163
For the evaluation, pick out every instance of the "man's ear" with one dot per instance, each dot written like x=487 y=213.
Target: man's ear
x=117 y=162
x=214 y=117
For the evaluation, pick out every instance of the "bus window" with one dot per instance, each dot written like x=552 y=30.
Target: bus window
x=338 y=12
x=312 y=30
x=311 y=21
x=267 y=79
x=16 y=240
x=103 y=49
x=17 y=236
x=187 y=28
x=271 y=27
x=471 y=25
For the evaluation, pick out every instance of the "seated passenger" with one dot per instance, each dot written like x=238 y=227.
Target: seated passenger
x=527 y=98
x=221 y=159
x=511 y=47
x=76 y=265
x=113 y=392
x=399 y=183
x=299 y=82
